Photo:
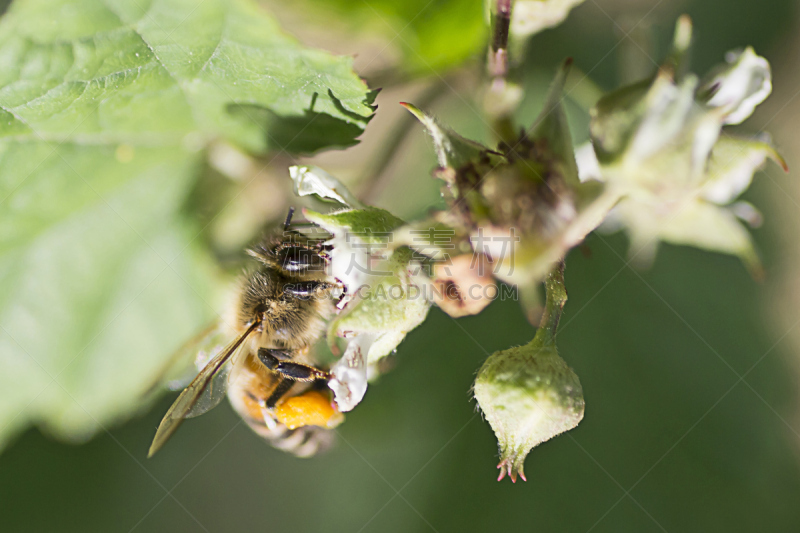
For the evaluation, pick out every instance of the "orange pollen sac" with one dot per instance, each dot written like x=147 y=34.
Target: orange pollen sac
x=309 y=409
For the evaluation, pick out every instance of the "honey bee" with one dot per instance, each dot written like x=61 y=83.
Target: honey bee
x=270 y=379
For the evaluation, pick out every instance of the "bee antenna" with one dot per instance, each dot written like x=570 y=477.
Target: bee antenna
x=288 y=219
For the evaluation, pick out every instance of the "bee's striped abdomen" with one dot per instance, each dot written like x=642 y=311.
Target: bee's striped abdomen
x=251 y=383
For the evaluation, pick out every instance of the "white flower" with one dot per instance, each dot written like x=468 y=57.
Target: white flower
x=383 y=298
x=661 y=146
x=359 y=244
x=696 y=213
x=349 y=382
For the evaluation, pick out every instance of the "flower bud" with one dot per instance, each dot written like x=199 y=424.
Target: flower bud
x=528 y=395
x=464 y=286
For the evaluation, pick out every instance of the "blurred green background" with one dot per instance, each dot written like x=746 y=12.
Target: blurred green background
x=690 y=369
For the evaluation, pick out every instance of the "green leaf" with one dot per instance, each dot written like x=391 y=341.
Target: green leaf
x=452 y=150
x=460 y=159
x=430 y=35
x=100 y=281
x=370 y=225
x=152 y=73
x=106 y=108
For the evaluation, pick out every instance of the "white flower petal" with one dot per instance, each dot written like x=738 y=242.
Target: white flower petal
x=349 y=383
x=706 y=133
x=588 y=165
x=310 y=180
x=387 y=309
x=360 y=241
x=669 y=110
x=747 y=212
x=737 y=88
x=731 y=167
x=712 y=228
x=532 y=16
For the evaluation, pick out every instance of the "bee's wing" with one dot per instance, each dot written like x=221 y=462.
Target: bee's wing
x=189 y=400
x=182 y=366
x=214 y=392
x=196 y=355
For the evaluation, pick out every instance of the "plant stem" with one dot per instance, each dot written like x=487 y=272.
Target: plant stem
x=498 y=55
x=498 y=69
x=556 y=297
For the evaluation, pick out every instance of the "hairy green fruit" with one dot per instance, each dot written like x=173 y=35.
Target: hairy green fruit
x=528 y=394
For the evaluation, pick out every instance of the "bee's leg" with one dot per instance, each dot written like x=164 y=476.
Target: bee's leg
x=272 y=356
x=288 y=219
x=289 y=369
x=310 y=289
x=278 y=392
x=343 y=298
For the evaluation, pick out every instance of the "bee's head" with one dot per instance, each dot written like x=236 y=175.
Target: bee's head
x=259 y=298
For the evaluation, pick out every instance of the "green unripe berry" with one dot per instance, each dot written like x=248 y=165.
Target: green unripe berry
x=528 y=394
